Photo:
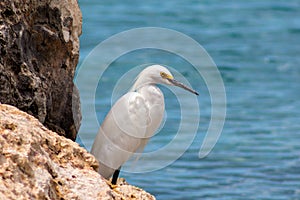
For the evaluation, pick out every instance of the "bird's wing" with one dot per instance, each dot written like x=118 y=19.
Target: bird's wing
x=121 y=133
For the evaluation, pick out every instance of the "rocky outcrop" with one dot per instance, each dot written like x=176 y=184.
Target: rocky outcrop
x=36 y=163
x=39 y=50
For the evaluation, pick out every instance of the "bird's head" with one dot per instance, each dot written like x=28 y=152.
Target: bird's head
x=157 y=74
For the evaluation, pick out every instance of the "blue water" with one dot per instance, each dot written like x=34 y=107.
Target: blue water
x=256 y=46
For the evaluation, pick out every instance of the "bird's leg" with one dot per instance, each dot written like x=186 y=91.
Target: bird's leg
x=115 y=176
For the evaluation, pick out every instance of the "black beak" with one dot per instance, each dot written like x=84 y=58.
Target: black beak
x=178 y=84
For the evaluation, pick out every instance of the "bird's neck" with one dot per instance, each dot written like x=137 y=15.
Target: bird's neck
x=146 y=86
x=142 y=81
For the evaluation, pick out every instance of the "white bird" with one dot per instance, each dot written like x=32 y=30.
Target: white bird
x=132 y=120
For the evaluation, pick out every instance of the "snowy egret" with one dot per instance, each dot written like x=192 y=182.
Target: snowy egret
x=132 y=120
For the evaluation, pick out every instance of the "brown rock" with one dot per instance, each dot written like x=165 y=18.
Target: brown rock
x=39 y=50
x=36 y=163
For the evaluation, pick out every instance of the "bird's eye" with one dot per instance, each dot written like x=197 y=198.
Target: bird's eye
x=163 y=75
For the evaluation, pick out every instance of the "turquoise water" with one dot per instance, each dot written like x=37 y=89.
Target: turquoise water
x=255 y=45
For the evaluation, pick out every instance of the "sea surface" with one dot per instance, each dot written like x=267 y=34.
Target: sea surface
x=256 y=46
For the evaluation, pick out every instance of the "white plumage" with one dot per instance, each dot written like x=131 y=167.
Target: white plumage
x=132 y=120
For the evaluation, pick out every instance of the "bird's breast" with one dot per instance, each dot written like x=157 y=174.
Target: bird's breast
x=154 y=100
x=152 y=94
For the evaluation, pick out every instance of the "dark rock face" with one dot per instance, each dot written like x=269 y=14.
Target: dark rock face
x=39 y=50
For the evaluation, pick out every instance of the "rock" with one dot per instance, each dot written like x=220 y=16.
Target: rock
x=39 y=50
x=36 y=163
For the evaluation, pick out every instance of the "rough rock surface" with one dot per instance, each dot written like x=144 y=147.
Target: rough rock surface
x=39 y=50
x=36 y=163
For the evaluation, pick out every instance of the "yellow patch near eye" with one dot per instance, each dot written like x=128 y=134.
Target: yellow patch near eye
x=166 y=76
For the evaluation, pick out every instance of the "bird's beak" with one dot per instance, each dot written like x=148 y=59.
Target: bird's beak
x=179 y=84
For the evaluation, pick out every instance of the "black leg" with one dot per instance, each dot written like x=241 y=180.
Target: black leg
x=115 y=176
